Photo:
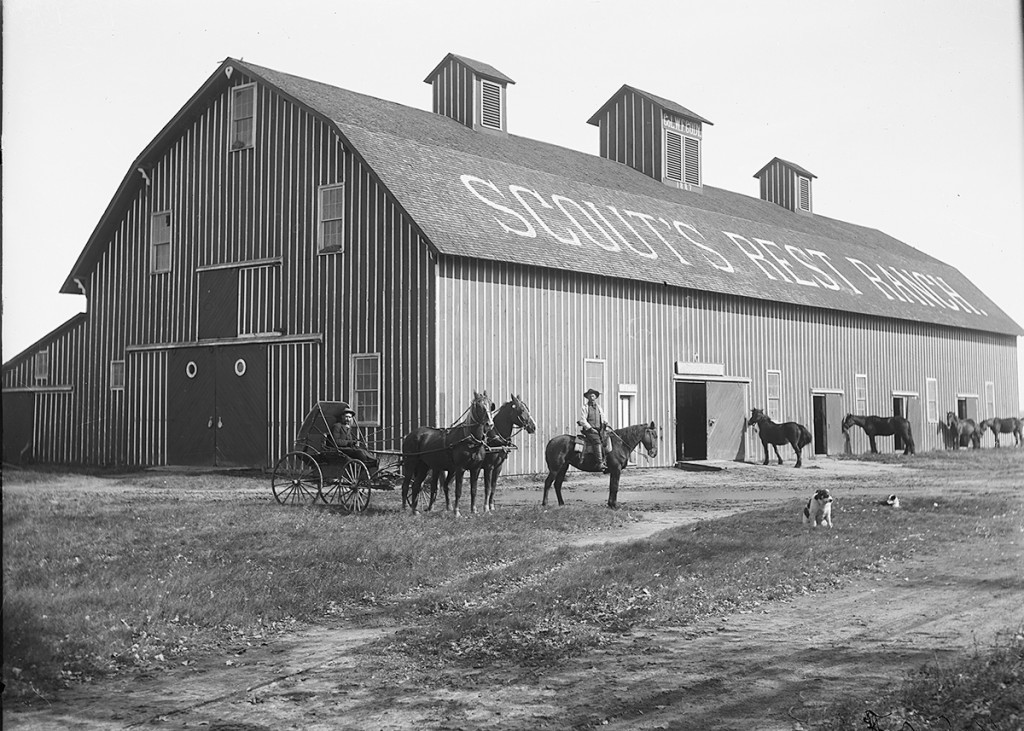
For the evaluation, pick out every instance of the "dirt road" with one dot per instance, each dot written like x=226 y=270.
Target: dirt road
x=772 y=668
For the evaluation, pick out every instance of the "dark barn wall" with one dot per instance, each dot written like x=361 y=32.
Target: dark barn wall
x=253 y=212
x=631 y=130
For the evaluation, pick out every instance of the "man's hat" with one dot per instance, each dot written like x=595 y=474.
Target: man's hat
x=591 y=391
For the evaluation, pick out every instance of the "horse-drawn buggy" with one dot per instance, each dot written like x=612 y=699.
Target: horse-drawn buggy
x=330 y=463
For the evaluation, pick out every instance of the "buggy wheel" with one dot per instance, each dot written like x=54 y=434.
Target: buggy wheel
x=297 y=479
x=351 y=490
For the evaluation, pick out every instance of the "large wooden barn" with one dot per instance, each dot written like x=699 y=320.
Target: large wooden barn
x=283 y=241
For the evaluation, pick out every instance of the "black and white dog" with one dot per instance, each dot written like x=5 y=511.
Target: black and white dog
x=819 y=509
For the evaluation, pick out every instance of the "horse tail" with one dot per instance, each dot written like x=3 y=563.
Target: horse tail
x=805 y=437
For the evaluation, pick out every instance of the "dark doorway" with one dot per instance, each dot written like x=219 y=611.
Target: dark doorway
x=820 y=426
x=691 y=420
x=898 y=409
x=217 y=406
x=19 y=421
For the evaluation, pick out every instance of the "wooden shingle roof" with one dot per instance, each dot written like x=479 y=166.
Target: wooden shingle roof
x=513 y=199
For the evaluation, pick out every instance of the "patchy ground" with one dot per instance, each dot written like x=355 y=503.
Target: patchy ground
x=764 y=669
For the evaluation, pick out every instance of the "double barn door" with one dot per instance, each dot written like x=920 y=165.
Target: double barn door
x=217 y=406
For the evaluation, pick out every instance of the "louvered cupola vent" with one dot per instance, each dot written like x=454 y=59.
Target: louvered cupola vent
x=786 y=184
x=470 y=92
x=655 y=136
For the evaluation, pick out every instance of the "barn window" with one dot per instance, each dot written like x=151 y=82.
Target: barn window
x=593 y=377
x=860 y=389
x=990 y=399
x=490 y=104
x=332 y=218
x=41 y=365
x=117 y=375
x=803 y=185
x=365 y=396
x=931 y=400
x=161 y=242
x=243 y=117
x=682 y=158
x=774 y=405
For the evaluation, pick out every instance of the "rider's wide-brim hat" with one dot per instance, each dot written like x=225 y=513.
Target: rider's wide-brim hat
x=591 y=391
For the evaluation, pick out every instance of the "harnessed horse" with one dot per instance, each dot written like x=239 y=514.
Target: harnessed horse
x=561 y=453
x=511 y=414
x=455 y=449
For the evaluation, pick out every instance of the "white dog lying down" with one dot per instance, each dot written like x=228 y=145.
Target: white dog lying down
x=892 y=501
x=819 y=509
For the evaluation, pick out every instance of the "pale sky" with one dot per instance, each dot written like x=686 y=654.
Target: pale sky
x=909 y=112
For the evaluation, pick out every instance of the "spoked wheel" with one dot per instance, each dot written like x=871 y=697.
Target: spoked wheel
x=297 y=479
x=351 y=491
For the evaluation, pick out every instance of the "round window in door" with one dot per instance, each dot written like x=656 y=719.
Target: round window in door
x=240 y=367
x=191 y=369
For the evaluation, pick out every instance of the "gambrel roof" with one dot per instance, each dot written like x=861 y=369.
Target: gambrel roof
x=513 y=199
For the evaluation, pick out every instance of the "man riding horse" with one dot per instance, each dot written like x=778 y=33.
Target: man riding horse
x=595 y=427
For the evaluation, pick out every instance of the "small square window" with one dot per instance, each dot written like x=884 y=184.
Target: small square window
x=117 y=375
x=161 y=242
x=332 y=218
x=243 y=117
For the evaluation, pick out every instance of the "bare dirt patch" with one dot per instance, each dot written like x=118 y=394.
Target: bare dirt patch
x=762 y=669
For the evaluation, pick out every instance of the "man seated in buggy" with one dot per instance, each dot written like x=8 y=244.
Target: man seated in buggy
x=349 y=441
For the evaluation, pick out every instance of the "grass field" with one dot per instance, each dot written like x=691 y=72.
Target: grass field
x=105 y=582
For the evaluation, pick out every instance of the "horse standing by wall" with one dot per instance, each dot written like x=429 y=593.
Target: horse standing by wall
x=511 y=414
x=561 y=453
x=1008 y=425
x=882 y=426
x=455 y=449
x=795 y=435
x=963 y=431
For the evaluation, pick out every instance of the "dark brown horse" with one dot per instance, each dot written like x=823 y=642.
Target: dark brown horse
x=561 y=453
x=962 y=431
x=513 y=414
x=455 y=449
x=882 y=426
x=791 y=433
x=1000 y=425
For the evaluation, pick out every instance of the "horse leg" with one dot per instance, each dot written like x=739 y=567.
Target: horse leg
x=614 y=471
x=871 y=441
x=764 y=443
x=796 y=448
x=474 y=475
x=458 y=491
x=417 y=485
x=494 y=472
x=559 y=478
x=777 y=455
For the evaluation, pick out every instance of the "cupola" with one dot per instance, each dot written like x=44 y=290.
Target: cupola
x=470 y=92
x=655 y=136
x=786 y=184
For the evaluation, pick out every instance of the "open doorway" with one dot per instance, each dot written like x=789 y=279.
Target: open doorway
x=828 y=422
x=711 y=420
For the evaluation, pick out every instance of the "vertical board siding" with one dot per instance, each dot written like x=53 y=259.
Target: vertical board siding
x=453 y=92
x=508 y=328
x=57 y=423
x=630 y=133
x=231 y=207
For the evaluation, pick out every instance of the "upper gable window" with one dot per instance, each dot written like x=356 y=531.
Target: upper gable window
x=331 y=229
x=161 y=242
x=41 y=365
x=490 y=105
x=803 y=185
x=243 y=116
x=682 y=158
